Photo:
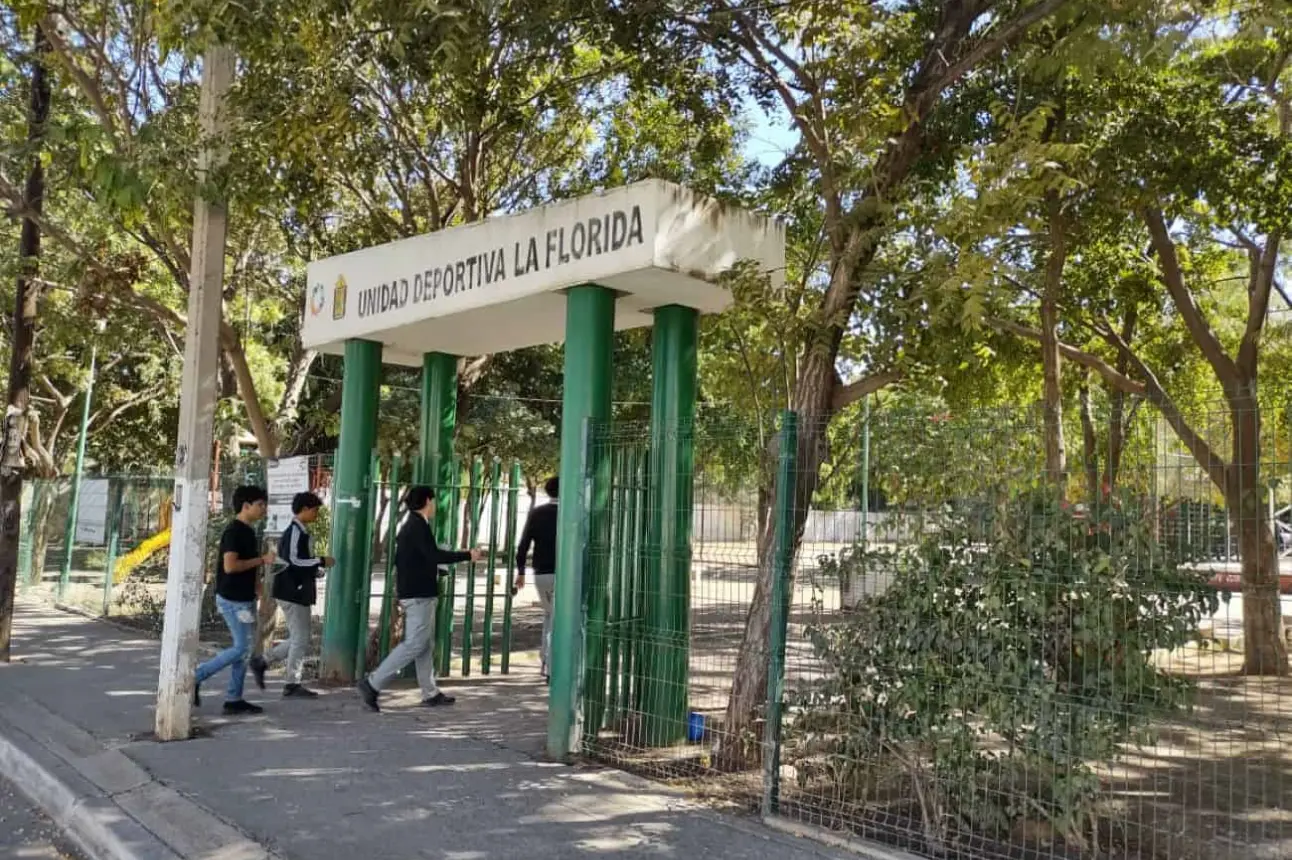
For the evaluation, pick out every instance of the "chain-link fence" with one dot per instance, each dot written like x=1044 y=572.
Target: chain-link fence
x=1000 y=655
x=111 y=559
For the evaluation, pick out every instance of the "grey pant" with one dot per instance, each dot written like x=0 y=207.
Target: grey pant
x=296 y=645
x=419 y=633
x=545 y=585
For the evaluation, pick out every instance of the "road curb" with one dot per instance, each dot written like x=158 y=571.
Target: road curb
x=107 y=805
x=97 y=827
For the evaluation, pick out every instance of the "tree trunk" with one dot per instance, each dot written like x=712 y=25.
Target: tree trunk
x=294 y=388
x=1056 y=464
x=372 y=656
x=265 y=439
x=1089 y=445
x=740 y=745
x=266 y=611
x=1117 y=427
x=42 y=510
x=23 y=337
x=1119 y=418
x=1264 y=650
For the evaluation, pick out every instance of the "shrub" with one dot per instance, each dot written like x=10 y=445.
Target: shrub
x=1003 y=662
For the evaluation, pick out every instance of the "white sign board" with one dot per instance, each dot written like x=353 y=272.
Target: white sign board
x=654 y=243
x=92 y=512
x=286 y=478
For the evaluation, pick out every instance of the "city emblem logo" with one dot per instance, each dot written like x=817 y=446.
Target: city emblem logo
x=318 y=297
x=338 y=298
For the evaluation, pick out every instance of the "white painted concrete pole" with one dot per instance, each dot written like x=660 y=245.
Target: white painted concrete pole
x=196 y=417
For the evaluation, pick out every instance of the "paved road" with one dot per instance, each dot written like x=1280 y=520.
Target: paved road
x=25 y=833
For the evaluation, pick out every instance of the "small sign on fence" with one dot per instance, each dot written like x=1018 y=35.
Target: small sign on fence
x=92 y=512
x=286 y=478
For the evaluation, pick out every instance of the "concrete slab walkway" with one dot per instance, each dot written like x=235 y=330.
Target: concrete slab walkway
x=326 y=780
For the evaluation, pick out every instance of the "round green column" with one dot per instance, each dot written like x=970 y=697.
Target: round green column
x=346 y=608
x=439 y=419
x=668 y=586
x=589 y=351
x=435 y=467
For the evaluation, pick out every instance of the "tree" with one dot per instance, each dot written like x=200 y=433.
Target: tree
x=1192 y=157
x=862 y=84
x=389 y=122
x=138 y=125
x=23 y=334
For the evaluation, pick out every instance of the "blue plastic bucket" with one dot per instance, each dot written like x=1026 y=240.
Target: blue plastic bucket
x=695 y=728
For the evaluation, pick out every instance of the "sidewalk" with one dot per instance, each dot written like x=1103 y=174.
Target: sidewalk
x=326 y=780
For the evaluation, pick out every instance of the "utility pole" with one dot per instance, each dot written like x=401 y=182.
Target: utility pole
x=865 y=474
x=78 y=472
x=26 y=302
x=191 y=499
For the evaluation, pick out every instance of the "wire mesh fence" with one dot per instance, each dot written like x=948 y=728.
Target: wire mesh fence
x=915 y=628
x=997 y=656
x=111 y=558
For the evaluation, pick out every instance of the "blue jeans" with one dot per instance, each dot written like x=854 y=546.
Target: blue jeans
x=235 y=655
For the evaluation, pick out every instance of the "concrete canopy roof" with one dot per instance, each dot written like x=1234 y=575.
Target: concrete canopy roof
x=498 y=285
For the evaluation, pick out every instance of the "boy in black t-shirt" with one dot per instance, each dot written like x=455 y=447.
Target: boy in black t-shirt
x=237 y=568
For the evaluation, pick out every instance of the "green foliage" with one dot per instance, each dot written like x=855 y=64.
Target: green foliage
x=321 y=531
x=1007 y=656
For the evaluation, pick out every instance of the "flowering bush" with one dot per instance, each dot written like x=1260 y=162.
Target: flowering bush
x=1001 y=665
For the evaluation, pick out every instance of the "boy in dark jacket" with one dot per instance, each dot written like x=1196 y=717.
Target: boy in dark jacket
x=295 y=590
x=540 y=533
x=417 y=584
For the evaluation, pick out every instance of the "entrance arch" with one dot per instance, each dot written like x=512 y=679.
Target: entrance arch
x=647 y=254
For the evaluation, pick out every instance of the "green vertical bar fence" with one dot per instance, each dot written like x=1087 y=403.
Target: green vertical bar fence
x=498 y=496
x=388 y=582
x=513 y=498
x=782 y=560
x=365 y=571
x=449 y=583
x=632 y=585
x=596 y=585
x=491 y=569
x=619 y=562
x=473 y=534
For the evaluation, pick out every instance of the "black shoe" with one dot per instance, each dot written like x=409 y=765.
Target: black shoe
x=242 y=707
x=296 y=691
x=258 y=668
x=438 y=700
x=369 y=695
x=197 y=695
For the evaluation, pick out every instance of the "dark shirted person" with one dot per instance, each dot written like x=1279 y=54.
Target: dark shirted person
x=295 y=588
x=540 y=533
x=417 y=584
x=237 y=568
